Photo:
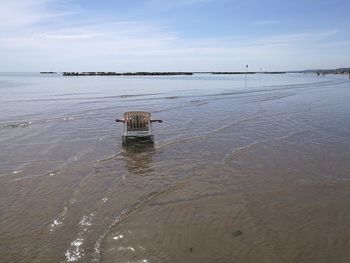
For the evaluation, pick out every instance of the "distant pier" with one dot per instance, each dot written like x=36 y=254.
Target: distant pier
x=248 y=72
x=125 y=74
x=164 y=73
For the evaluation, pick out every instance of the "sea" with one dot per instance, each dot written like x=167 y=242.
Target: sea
x=249 y=168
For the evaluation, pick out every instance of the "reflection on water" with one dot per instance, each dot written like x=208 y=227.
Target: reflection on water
x=138 y=157
x=237 y=174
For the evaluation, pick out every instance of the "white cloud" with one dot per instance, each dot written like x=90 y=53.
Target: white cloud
x=16 y=14
x=60 y=36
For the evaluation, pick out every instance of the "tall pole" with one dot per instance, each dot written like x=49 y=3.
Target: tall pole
x=246 y=72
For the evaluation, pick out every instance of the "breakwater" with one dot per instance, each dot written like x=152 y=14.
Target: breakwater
x=125 y=74
x=248 y=72
x=165 y=73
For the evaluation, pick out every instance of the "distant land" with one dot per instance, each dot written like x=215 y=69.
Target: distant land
x=158 y=73
x=342 y=71
x=125 y=74
x=249 y=72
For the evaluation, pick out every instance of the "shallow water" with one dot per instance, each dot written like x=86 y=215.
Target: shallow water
x=240 y=172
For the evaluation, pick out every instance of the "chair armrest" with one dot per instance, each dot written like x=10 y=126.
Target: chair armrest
x=118 y=120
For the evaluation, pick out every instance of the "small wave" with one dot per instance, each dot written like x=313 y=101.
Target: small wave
x=75 y=252
x=234 y=94
x=98 y=243
x=68 y=118
x=61 y=98
x=18 y=171
x=275 y=97
x=184 y=200
x=125 y=96
x=202 y=103
x=125 y=213
x=16 y=125
x=73 y=94
x=110 y=157
x=237 y=151
x=168 y=144
x=209 y=133
x=170 y=108
x=57 y=171
x=24 y=124
x=53 y=173
x=126 y=248
x=58 y=221
x=118 y=237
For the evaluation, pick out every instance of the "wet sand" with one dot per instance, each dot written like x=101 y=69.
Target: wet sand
x=256 y=174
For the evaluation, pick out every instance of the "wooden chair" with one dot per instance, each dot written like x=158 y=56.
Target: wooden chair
x=137 y=126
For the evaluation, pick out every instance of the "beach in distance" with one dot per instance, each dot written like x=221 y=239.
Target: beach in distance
x=245 y=168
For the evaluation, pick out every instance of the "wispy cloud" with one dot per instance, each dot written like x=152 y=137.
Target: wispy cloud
x=60 y=36
x=17 y=14
x=292 y=39
x=124 y=45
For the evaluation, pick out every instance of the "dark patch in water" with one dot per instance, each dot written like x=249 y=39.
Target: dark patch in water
x=237 y=233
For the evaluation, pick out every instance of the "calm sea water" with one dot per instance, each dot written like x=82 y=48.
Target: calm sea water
x=254 y=171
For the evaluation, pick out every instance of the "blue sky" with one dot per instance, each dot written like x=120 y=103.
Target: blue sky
x=182 y=35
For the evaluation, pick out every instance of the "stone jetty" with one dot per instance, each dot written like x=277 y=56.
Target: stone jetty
x=125 y=74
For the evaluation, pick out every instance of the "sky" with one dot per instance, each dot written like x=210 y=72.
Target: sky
x=177 y=35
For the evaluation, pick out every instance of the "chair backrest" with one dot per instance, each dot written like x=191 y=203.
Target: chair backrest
x=137 y=120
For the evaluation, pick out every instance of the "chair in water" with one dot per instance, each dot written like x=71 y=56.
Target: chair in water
x=137 y=126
